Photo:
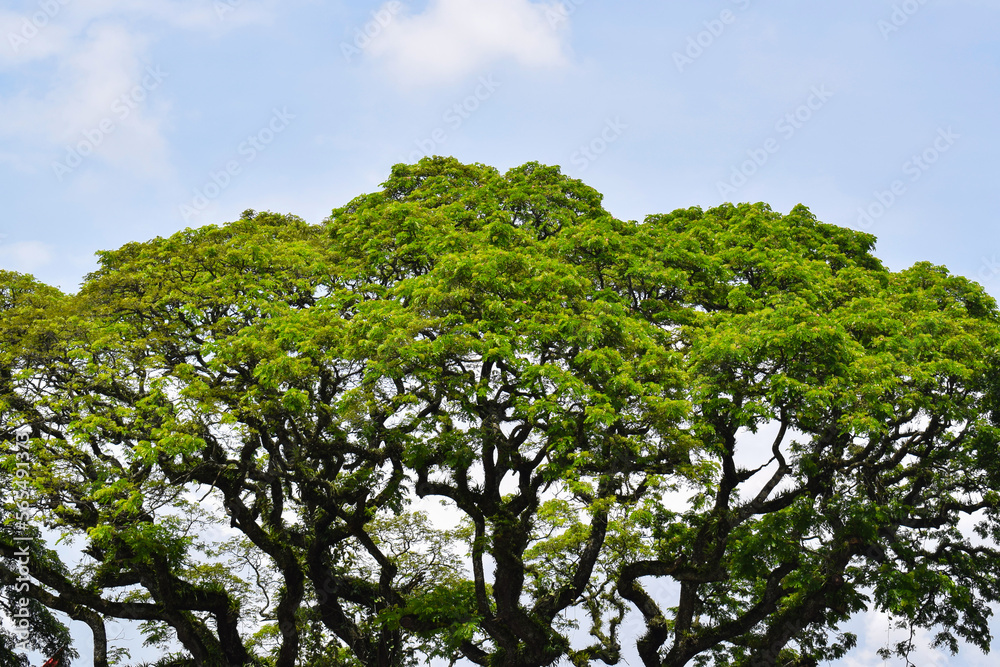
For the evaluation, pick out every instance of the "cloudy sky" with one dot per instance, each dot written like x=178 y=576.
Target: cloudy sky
x=121 y=120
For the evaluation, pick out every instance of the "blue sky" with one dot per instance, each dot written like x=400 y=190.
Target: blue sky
x=121 y=120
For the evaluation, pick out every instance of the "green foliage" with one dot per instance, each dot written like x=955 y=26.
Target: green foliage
x=245 y=428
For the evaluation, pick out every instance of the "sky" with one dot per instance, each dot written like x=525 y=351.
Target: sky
x=123 y=120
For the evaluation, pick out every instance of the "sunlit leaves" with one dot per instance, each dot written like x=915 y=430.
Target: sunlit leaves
x=236 y=420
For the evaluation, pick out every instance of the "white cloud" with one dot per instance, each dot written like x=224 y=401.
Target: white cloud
x=92 y=88
x=24 y=37
x=454 y=38
x=54 y=27
x=25 y=256
x=101 y=100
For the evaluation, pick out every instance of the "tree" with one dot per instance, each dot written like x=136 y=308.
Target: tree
x=243 y=427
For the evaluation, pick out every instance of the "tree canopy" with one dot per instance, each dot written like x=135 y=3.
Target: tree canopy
x=474 y=416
